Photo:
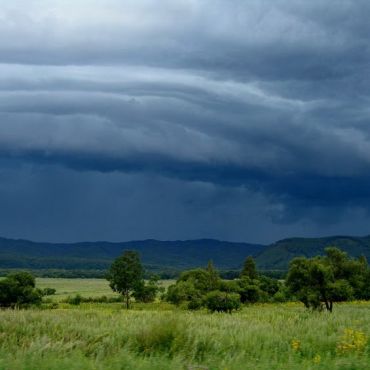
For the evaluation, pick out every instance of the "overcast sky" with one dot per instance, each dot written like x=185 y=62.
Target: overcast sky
x=243 y=120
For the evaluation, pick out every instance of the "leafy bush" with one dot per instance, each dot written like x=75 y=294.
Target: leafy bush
x=250 y=291
x=282 y=295
x=18 y=290
x=146 y=292
x=193 y=286
x=182 y=291
x=48 y=291
x=201 y=279
x=78 y=299
x=230 y=286
x=196 y=303
x=222 y=301
x=320 y=281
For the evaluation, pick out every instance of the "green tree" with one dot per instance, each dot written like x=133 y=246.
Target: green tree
x=249 y=291
x=192 y=286
x=365 y=294
x=249 y=268
x=183 y=291
x=213 y=277
x=126 y=275
x=18 y=290
x=147 y=292
x=199 y=278
x=320 y=281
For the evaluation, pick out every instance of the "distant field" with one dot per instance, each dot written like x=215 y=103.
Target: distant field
x=70 y=287
x=84 y=287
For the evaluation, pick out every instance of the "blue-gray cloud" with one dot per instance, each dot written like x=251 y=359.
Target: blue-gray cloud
x=270 y=97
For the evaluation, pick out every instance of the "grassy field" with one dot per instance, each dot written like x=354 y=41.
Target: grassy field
x=160 y=336
x=258 y=337
x=84 y=287
x=71 y=287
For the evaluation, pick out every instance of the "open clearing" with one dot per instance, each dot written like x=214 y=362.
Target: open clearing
x=84 y=287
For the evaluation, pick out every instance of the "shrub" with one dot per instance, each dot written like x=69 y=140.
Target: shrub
x=182 y=291
x=48 y=291
x=18 y=290
x=222 y=301
x=76 y=300
x=230 y=286
x=195 y=304
x=249 y=291
x=146 y=292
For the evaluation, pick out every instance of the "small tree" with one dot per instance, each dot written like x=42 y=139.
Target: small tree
x=320 y=281
x=213 y=277
x=126 y=275
x=249 y=268
x=18 y=290
x=249 y=290
x=199 y=278
x=147 y=292
x=193 y=285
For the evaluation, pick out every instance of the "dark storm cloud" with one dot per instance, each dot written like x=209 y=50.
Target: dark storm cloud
x=267 y=96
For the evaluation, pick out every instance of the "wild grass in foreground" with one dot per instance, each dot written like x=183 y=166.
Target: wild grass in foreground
x=271 y=336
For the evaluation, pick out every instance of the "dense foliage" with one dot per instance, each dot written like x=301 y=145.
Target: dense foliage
x=18 y=290
x=320 y=281
x=126 y=276
x=204 y=288
x=146 y=292
x=222 y=301
x=277 y=256
x=317 y=282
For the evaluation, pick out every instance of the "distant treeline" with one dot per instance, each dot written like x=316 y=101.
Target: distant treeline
x=158 y=256
x=165 y=274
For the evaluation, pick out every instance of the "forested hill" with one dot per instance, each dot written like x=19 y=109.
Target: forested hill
x=171 y=255
x=277 y=255
x=155 y=254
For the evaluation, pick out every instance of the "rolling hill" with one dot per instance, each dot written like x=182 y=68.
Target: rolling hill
x=170 y=255
x=277 y=256
x=155 y=254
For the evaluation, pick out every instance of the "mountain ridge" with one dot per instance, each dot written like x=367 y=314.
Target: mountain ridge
x=180 y=254
x=172 y=254
x=277 y=255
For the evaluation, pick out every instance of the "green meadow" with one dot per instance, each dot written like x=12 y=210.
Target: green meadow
x=71 y=287
x=84 y=287
x=160 y=336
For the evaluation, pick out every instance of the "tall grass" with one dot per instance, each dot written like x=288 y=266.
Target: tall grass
x=258 y=337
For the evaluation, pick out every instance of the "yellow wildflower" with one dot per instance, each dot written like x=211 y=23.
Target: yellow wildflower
x=352 y=341
x=295 y=344
x=317 y=359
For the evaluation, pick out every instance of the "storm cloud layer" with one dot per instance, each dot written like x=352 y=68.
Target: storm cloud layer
x=241 y=120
